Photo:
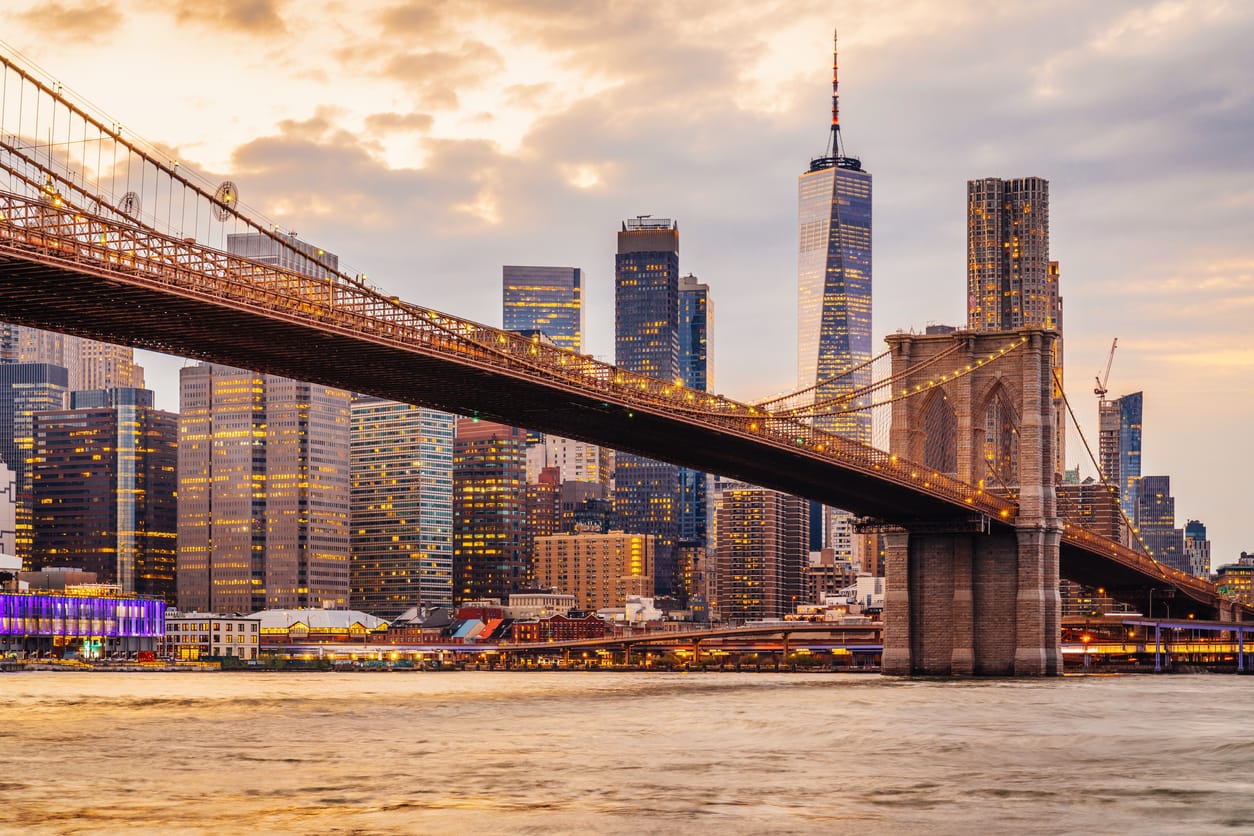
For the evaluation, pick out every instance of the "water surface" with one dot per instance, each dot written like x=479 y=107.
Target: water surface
x=590 y=752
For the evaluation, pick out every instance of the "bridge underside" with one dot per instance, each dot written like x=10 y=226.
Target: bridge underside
x=184 y=324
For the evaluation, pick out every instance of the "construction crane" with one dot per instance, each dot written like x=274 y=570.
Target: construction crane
x=1100 y=389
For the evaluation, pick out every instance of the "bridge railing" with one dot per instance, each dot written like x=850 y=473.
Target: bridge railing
x=109 y=247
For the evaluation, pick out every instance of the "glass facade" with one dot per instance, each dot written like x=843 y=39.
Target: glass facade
x=1119 y=447
x=25 y=389
x=1156 y=522
x=646 y=340
x=696 y=321
x=489 y=511
x=402 y=507
x=546 y=299
x=834 y=290
x=104 y=483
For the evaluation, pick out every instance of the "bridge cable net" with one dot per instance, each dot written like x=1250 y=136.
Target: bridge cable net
x=1075 y=529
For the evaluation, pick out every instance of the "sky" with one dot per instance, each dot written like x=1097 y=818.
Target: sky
x=430 y=143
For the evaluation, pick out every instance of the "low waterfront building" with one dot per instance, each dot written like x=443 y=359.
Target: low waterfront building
x=1237 y=579
x=315 y=626
x=191 y=636
x=91 y=623
x=557 y=628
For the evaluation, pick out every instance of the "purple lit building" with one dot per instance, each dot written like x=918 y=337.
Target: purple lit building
x=89 y=625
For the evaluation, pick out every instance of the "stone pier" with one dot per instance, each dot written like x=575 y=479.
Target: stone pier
x=969 y=597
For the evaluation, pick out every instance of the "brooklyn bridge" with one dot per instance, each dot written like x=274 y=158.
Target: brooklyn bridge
x=104 y=237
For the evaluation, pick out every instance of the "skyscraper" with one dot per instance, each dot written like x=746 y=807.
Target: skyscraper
x=401 y=461
x=1156 y=522
x=25 y=389
x=1119 y=448
x=1197 y=548
x=761 y=554
x=834 y=296
x=489 y=512
x=90 y=364
x=696 y=326
x=103 y=482
x=263 y=492
x=547 y=299
x=1011 y=282
x=834 y=280
x=646 y=340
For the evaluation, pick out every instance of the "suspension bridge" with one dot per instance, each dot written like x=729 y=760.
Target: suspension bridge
x=105 y=237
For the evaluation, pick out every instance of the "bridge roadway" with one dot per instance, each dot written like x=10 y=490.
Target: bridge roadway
x=67 y=271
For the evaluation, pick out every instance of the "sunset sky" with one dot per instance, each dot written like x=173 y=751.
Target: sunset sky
x=429 y=143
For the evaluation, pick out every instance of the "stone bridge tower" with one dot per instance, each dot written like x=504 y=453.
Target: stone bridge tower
x=974 y=596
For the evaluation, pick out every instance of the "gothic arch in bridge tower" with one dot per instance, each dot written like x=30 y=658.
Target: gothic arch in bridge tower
x=996 y=425
x=940 y=434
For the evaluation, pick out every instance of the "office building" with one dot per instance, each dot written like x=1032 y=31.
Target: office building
x=1197 y=549
x=761 y=554
x=103 y=483
x=834 y=292
x=576 y=461
x=8 y=510
x=263 y=492
x=1236 y=580
x=1092 y=506
x=646 y=341
x=545 y=299
x=600 y=570
x=1156 y=522
x=489 y=481
x=89 y=364
x=284 y=251
x=696 y=326
x=190 y=636
x=834 y=281
x=401 y=466
x=1119 y=448
x=26 y=389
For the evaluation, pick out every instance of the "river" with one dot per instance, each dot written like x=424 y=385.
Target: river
x=639 y=753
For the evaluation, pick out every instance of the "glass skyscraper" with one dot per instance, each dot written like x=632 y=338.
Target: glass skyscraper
x=1156 y=522
x=547 y=299
x=696 y=323
x=26 y=388
x=103 y=481
x=646 y=340
x=834 y=279
x=489 y=511
x=1119 y=448
x=401 y=461
x=834 y=297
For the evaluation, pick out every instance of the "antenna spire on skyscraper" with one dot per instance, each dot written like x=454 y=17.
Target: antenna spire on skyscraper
x=837 y=146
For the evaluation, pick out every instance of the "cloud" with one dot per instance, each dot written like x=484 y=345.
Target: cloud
x=399 y=122
x=247 y=17
x=91 y=22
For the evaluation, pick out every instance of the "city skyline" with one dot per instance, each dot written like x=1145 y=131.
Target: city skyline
x=440 y=210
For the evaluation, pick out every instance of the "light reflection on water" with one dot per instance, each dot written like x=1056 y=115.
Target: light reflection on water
x=558 y=752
